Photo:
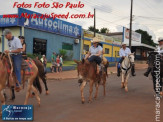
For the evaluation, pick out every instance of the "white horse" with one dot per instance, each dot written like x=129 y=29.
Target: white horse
x=126 y=69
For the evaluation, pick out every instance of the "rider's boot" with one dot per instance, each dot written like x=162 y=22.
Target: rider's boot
x=118 y=70
x=147 y=72
x=133 y=70
x=13 y=93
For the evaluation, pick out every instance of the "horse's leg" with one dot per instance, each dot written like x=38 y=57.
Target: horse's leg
x=122 y=82
x=46 y=87
x=90 y=90
x=36 y=94
x=28 y=92
x=126 y=82
x=104 y=85
x=2 y=99
x=96 y=90
x=82 y=93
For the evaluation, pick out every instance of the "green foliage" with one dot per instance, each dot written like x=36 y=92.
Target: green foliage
x=33 y=56
x=104 y=30
x=146 y=38
x=91 y=28
x=63 y=53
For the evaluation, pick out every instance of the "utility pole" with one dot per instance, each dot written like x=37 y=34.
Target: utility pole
x=130 y=32
x=94 y=23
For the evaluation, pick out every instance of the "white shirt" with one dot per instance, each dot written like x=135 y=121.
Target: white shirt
x=159 y=49
x=95 y=50
x=125 y=52
x=14 y=44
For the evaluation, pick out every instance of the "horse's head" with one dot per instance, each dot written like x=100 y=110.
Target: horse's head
x=80 y=68
x=131 y=57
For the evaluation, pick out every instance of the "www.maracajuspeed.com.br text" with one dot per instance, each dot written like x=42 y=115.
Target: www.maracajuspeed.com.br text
x=52 y=15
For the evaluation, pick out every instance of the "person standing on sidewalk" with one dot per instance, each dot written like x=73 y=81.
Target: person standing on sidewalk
x=61 y=63
x=15 y=49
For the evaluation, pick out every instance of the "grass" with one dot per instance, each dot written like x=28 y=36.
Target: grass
x=65 y=63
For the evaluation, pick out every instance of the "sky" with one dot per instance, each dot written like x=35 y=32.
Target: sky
x=112 y=14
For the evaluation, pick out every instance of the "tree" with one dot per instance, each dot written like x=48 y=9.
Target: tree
x=146 y=38
x=91 y=28
x=104 y=30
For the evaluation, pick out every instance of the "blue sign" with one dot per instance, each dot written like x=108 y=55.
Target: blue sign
x=34 y=20
x=7 y=20
x=17 y=112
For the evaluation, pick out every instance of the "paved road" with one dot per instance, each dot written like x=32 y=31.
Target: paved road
x=64 y=103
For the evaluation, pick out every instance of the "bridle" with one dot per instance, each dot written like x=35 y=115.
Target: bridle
x=127 y=69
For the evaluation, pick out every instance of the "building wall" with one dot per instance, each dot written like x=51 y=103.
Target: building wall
x=54 y=42
x=15 y=32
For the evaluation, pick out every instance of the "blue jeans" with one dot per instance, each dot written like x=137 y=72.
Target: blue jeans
x=17 y=61
x=97 y=59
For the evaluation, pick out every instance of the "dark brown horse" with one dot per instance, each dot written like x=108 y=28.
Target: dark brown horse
x=87 y=73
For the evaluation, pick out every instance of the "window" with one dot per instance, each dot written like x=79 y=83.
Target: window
x=39 y=46
x=67 y=46
x=117 y=53
x=86 y=47
x=106 y=50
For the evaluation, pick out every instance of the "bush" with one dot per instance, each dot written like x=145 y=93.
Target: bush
x=63 y=53
x=33 y=56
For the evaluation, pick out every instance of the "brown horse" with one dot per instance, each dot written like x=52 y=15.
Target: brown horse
x=4 y=76
x=87 y=73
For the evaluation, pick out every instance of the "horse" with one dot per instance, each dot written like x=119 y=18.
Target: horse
x=87 y=73
x=4 y=76
x=126 y=69
x=151 y=64
x=41 y=74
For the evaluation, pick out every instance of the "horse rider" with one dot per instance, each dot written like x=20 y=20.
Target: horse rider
x=15 y=49
x=95 y=53
x=159 y=49
x=124 y=51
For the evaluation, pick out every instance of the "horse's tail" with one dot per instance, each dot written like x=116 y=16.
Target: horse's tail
x=37 y=84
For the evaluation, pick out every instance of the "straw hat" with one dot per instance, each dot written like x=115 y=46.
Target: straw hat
x=95 y=40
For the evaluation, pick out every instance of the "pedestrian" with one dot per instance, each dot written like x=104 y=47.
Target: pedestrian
x=58 y=63
x=22 y=39
x=44 y=61
x=53 y=61
x=15 y=49
x=61 y=62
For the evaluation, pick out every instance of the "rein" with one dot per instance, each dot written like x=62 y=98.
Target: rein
x=126 y=66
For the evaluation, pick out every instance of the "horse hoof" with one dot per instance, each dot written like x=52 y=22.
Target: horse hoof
x=95 y=98
x=83 y=102
x=47 y=92
x=126 y=89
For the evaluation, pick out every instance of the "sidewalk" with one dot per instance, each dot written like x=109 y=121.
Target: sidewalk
x=73 y=73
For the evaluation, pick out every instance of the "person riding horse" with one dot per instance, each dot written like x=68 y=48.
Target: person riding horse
x=159 y=49
x=95 y=53
x=15 y=49
x=124 y=51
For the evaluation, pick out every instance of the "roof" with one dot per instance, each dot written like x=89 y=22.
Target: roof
x=142 y=45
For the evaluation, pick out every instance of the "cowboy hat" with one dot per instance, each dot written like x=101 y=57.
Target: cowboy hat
x=95 y=40
x=123 y=43
x=160 y=39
